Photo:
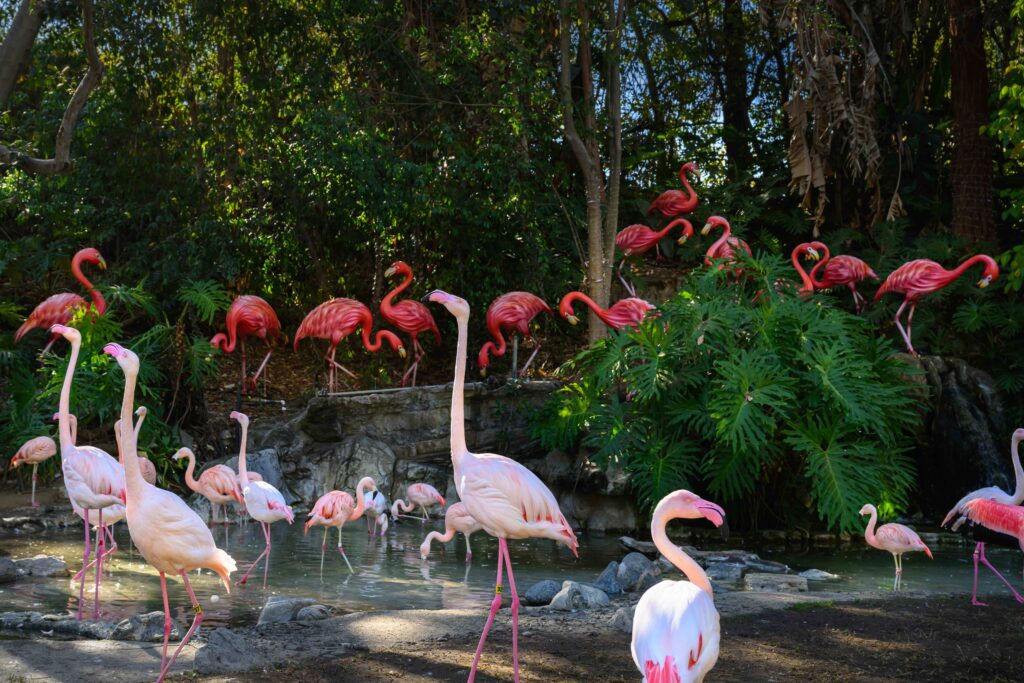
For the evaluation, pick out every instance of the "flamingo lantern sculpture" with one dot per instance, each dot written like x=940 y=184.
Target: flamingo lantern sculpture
x=336 y=319
x=420 y=495
x=841 y=271
x=456 y=520
x=335 y=509
x=675 y=624
x=33 y=452
x=639 y=239
x=726 y=247
x=999 y=518
x=622 y=315
x=59 y=309
x=409 y=316
x=894 y=538
x=922 y=277
x=511 y=313
x=676 y=202
x=249 y=316
x=170 y=536
x=508 y=500
x=218 y=484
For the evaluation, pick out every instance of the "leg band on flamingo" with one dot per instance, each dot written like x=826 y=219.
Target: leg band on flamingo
x=188 y=635
x=495 y=605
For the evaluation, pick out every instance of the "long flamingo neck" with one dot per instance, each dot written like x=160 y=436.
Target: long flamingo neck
x=360 y=502
x=495 y=329
x=67 y=439
x=952 y=275
x=190 y=479
x=598 y=311
x=691 y=200
x=676 y=556
x=1018 y=471
x=371 y=342
x=385 y=304
x=818 y=266
x=726 y=231
x=97 y=298
x=448 y=535
x=134 y=482
x=869 y=532
x=74 y=428
x=804 y=277
x=458 y=426
x=242 y=472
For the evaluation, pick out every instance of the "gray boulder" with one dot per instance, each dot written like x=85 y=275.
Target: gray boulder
x=818 y=575
x=227 y=652
x=146 y=628
x=541 y=592
x=646 y=547
x=578 y=596
x=766 y=566
x=313 y=613
x=42 y=565
x=609 y=580
x=622 y=620
x=631 y=568
x=280 y=608
x=775 y=583
x=8 y=570
x=651 y=577
x=726 y=571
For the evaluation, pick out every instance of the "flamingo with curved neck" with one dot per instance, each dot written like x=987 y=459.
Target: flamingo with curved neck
x=511 y=312
x=59 y=309
x=409 y=316
x=639 y=239
x=675 y=202
x=250 y=316
x=621 y=315
x=218 y=484
x=805 y=249
x=456 y=520
x=725 y=247
x=841 y=271
x=894 y=538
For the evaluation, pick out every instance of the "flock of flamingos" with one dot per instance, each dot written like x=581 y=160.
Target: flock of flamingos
x=676 y=625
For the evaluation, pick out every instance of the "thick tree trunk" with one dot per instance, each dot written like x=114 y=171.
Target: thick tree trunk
x=973 y=213
x=736 y=133
x=17 y=44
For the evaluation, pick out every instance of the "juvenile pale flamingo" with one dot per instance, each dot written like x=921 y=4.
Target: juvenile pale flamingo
x=420 y=495
x=726 y=247
x=409 y=316
x=263 y=502
x=639 y=239
x=336 y=319
x=335 y=509
x=508 y=500
x=511 y=313
x=249 y=316
x=91 y=476
x=675 y=624
x=376 y=509
x=169 y=535
x=675 y=202
x=894 y=538
x=33 y=452
x=841 y=271
x=623 y=314
x=1000 y=518
x=922 y=277
x=456 y=520
x=218 y=484
x=58 y=309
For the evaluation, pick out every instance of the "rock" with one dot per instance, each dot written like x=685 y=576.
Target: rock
x=774 y=583
x=773 y=535
x=280 y=608
x=146 y=628
x=8 y=570
x=42 y=565
x=69 y=626
x=313 y=613
x=609 y=580
x=631 y=568
x=599 y=511
x=227 y=652
x=796 y=536
x=622 y=620
x=726 y=571
x=650 y=577
x=578 y=596
x=818 y=575
x=766 y=566
x=645 y=547
x=541 y=592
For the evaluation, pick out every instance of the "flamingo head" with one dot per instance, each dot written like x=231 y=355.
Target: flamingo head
x=690 y=168
x=457 y=306
x=141 y=411
x=810 y=251
x=128 y=361
x=242 y=418
x=441 y=502
x=368 y=485
x=183 y=452
x=713 y=222
x=425 y=549
x=69 y=333
x=92 y=255
x=868 y=509
x=1018 y=435
x=398 y=267
x=686 y=505
x=687 y=229
x=219 y=341
x=990 y=274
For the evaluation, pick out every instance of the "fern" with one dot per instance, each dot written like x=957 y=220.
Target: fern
x=206 y=297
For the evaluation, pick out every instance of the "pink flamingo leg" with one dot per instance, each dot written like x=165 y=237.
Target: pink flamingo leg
x=100 y=534
x=536 y=348
x=515 y=610
x=495 y=605
x=910 y=320
x=984 y=560
x=974 y=595
x=260 y=370
x=192 y=629
x=92 y=563
x=323 y=549
x=245 y=384
x=167 y=619
x=85 y=563
x=418 y=354
x=35 y=477
x=903 y=333
x=622 y=279
x=266 y=562
x=265 y=553
x=341 y=551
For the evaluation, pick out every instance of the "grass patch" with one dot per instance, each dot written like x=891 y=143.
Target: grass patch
x=808 y=606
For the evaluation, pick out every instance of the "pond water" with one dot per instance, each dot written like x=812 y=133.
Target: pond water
x=390 y=575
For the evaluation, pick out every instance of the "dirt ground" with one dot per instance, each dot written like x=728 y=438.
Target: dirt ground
x=928 y=639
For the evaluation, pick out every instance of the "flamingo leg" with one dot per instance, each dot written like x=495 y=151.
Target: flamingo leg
x=265 y=553
x=341 y=551
x=903 y=333
x=266 y=562
x=100 y=542
x=469 y=549
x=258 y=371
x=35 y=477
x=856 y=297
x=426 y=516
x=974 y=594
x=896 y=574
x=1017 y=596
x=85 y=563
x=515 y=610
x=495 y=605
x=245 y=383
x=418 y=354
x=622 y=279
x=323 y=549
x=536 y=348
x=167 y=619
x=910 y=319
x=191 y=629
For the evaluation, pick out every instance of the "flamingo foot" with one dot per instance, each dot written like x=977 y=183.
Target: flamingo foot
x=978 y=603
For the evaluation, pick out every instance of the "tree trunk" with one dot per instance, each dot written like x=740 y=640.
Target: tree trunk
x=973 y=213
x=736 y=132
x=613 y=107
x=15 y=48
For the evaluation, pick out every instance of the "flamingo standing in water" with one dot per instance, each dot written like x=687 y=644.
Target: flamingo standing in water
x=336 y=319
x=675 y=202
x=921 y=277
x=249 y=316
x=456 y=520
x=726 y=247
x=894 y=538
x=676 y=621
x=420 y=495
x=168 y=533
x=263 y=502
x=33 y=452
x=639 y=239
x=375 y=509
x=623 y=314
x=511 y=313
x=59 y=309
x=841 y=271
x=409 y=316
x=218 y=484
x=508 y=500
x=1002 y=519
x=335 y=509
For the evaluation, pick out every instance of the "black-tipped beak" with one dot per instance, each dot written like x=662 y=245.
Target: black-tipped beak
x=426 y=298
x=723 y=529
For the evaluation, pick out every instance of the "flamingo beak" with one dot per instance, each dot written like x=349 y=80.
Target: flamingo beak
x=483 y=371
x=706 y=229
x=573 y=320
x=102 y=263
x=401 y=351
x=58 y=329
x=712 y=512
x=983 y=282
x=813 y=253
x=682 y=239
x=390 y=271
x=113 y=350
x=437 y=296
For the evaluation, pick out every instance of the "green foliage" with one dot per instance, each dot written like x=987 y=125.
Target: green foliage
x=749 y=395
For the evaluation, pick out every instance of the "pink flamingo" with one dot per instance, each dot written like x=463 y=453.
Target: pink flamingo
x=263 y=502
x=676 y=621
x=623 y=314
x=456 y=520
x=509 y=314
x=59 y=309
x=806 y=249
x=420 y=495
x=409 y=316
x=218 y=484
x=1003 y=519
x=507 y=499
x=335 y=509
x=91 y=476
x=33 y=452
x=841 y=271
x=145 y=464
x=675 y=202
x=639 y=239
x=249 y=316
x=376 y=509
x=169 y=534
x=894 y=538
x=336 y=319
x=726 y=247
x=921 y=277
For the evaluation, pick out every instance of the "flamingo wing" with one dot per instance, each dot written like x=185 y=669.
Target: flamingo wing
x=57 y=309
x=221 y=481
x=676 y=633
x=900 y=538
x=990 y=492
x=844 y=270
x=1006 y=519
